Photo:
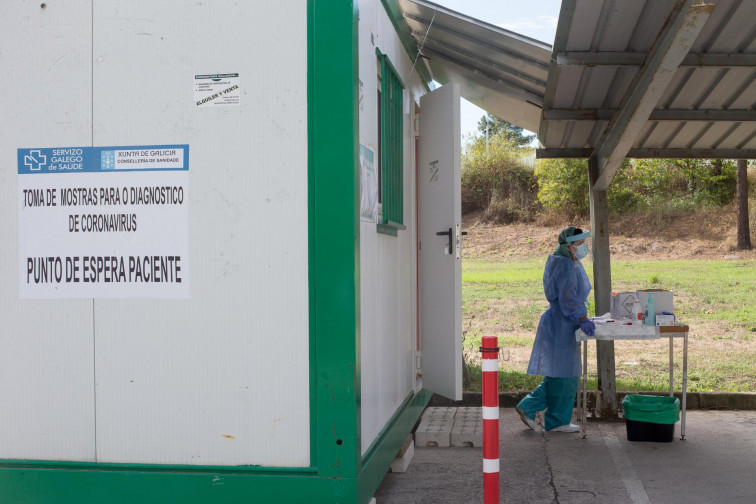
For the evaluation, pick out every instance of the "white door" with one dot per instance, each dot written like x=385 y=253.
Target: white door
x=439 y=230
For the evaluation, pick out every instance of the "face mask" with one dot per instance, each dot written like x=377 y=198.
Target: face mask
x=582 y=251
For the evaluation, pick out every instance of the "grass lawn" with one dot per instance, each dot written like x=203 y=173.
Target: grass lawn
x=717 y=299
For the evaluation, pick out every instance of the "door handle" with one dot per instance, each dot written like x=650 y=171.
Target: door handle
x=450 y=233
x=451 y=243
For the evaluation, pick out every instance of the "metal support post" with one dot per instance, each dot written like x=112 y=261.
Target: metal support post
x=602 y=279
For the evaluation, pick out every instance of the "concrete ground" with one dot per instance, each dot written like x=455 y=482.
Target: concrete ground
x=716 y=463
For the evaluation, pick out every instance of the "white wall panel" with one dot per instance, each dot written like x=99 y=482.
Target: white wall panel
x=387 y=263
x=221 y=378
x=46 y=361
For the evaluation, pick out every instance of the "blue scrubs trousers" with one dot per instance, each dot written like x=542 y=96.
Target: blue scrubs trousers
x=556 y=396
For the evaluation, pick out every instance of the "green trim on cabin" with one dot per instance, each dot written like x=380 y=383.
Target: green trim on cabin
x=311 y=227
x=394 y=13
x=22 y=485
x=334 y=167
x=388 y=229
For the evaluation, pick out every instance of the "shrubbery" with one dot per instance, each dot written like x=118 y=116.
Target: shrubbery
x=499 y=180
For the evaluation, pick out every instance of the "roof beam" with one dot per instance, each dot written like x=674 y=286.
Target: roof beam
x=619 y=59
x=557 y=153
x=673 y=43
x=706 y=115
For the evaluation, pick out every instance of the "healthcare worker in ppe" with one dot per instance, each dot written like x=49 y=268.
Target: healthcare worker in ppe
x=556 y=354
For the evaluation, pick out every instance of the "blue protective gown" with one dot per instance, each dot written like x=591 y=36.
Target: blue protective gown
x=555 y=351
x=556 y=354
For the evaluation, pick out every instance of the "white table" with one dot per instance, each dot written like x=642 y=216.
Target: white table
x=612 y=332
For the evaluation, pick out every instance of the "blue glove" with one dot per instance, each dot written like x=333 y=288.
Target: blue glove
x=587 y=326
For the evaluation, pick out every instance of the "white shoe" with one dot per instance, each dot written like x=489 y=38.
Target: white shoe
x=570 y=427
x=527 y=421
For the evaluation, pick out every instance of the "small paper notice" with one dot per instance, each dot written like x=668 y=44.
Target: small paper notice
x=217 y=89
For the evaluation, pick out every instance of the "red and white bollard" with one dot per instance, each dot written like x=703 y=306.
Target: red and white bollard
x=490 y=412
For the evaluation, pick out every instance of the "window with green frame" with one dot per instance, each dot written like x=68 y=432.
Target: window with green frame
x=390 y=151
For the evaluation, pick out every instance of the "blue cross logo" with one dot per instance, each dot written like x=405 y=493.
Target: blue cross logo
x=35 y=160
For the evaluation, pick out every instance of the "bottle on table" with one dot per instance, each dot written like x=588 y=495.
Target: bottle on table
x=637 y=312
x=650 y=311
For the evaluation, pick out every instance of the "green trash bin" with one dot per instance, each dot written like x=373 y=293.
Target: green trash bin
x=651 y=418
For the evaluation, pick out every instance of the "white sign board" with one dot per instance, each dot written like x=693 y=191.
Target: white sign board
x=217 y=89
x=104 y=222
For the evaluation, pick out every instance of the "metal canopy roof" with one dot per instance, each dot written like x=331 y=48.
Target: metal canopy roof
x=498 y=70
x=661 y=78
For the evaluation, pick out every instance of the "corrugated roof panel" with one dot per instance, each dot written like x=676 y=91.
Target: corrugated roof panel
x=565 y=94
x=598 y=62
x=714 y=135
x=686 y=135
x=597 y=84
x=581 y=133
x=664 y=130
x=675 y=86
x=646 y=133
x=747 y=97
x=617 y=90
x=751 y=144
x=721 y=96
x=555 y=134
x=655 y=13
x=695 y=90
x=498 y=70
x=587 y=14
x=620 y=25
x=738 y=136
x=729 y=24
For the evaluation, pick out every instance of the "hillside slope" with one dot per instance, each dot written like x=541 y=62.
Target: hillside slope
x=709 y=234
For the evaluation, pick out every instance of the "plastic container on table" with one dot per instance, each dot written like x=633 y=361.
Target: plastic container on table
x=651 y=418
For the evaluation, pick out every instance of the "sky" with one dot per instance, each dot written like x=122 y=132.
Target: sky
x=533 y=18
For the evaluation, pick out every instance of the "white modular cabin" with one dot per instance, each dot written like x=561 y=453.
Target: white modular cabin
x=211 y=268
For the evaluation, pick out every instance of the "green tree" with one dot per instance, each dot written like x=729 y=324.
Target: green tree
x=498 y=180
x=563 y=185
x=497 y=126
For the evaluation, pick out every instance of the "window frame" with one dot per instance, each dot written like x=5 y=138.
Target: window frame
x=391 y=139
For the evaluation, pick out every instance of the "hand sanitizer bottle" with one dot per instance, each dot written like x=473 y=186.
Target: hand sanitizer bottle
x=637 y=313
x=650 y=311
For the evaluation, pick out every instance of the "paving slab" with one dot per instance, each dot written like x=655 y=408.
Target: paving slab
x=435 y=427
x=468 y=428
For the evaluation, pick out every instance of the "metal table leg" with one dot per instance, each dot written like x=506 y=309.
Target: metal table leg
x=671 y=367
x=585 y=386
x=684 y=385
